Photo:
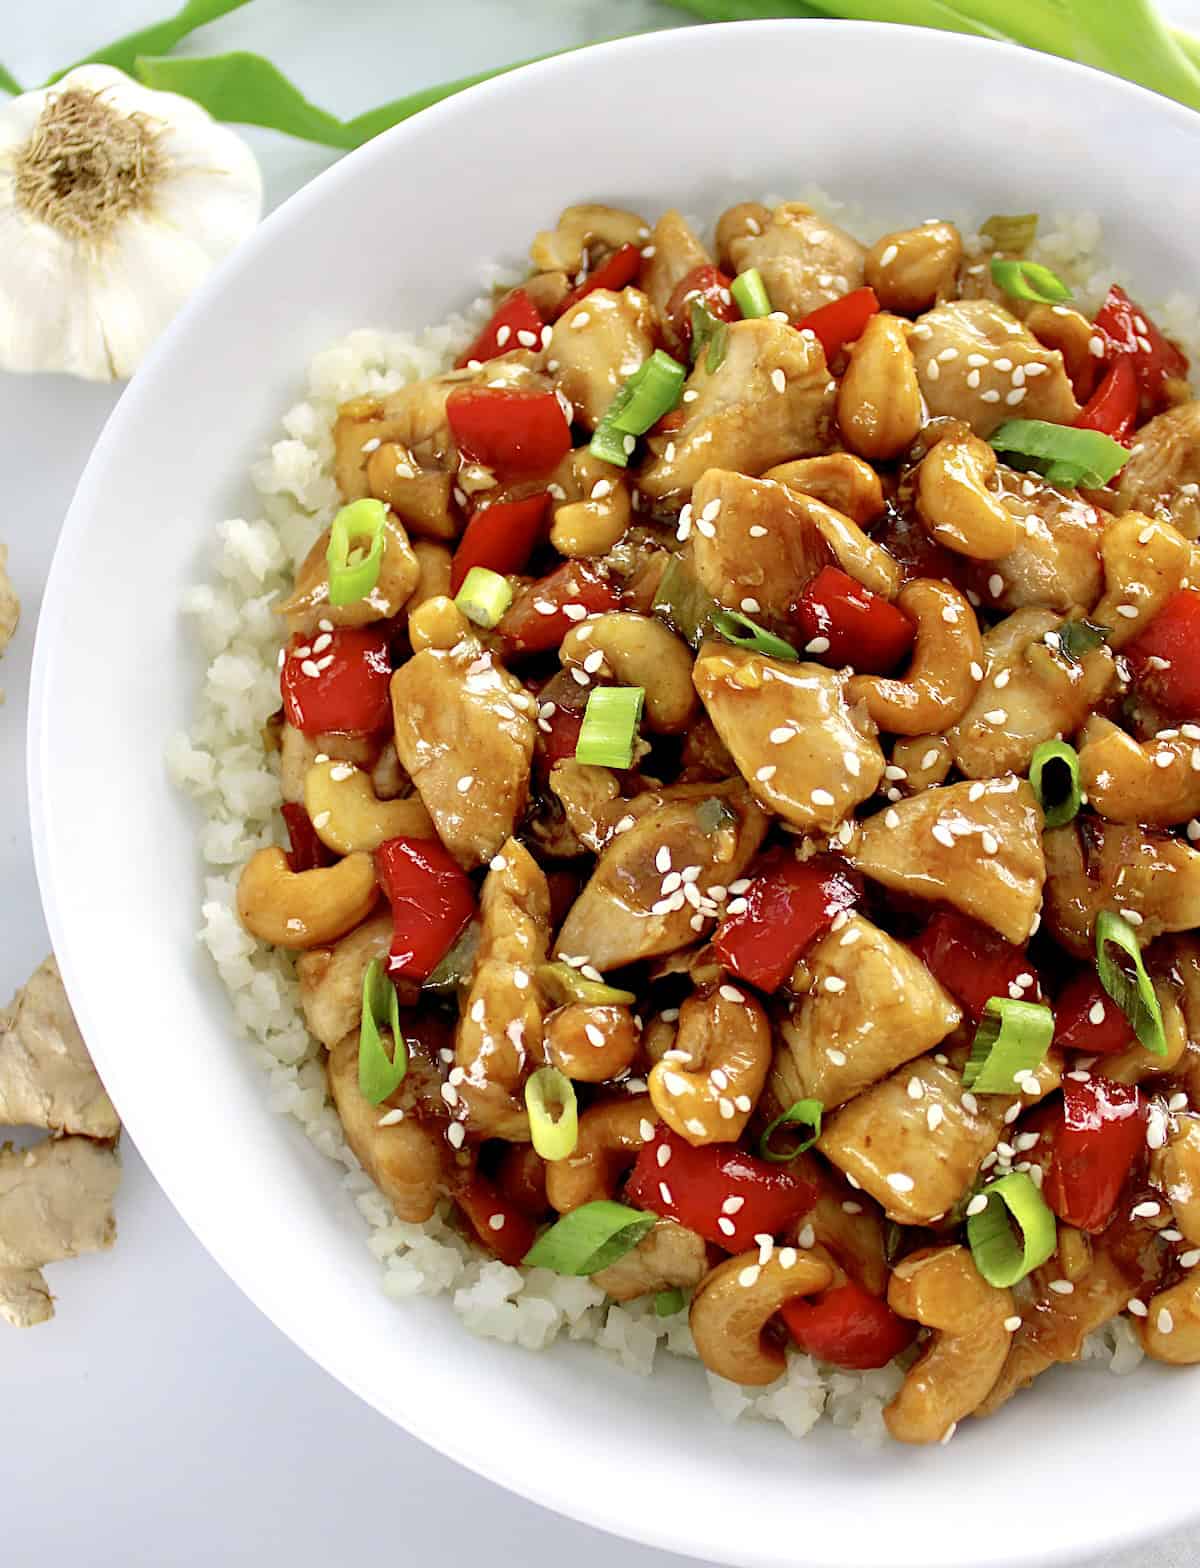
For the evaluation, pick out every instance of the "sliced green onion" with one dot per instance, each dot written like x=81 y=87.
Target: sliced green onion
x=1054 y=774
x=484 y=596
x=610 y=445
x=1060 y=453
x=653 y=390
x=589 y=1238
x=354 y=554
x=750 y=292
x=1015 y=1208
x=745 y=633
x=379 y=1074
x=1015 y=233
x=610 y=725
x=1029 y=280
x=683 y=603
x=804 y=1113
x=711 y=330
x=1012 y=1039
x=713 y=814
x=553 y=1113
x=668 y=1302
x=458 y=965
x=1077 y=638
x=1134 y=995
x=562 y=985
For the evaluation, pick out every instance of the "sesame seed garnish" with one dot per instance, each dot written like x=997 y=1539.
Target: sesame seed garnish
x=1189 y=1260
x=943 y=834
x=1165 y=1323
x=765 y=774
x=1145 y=1211
x=1062 y=1287
x=726 y=1227
x=977 y=1204
x=1132 y=916
x=850 y=1207
x=778 y=380
x=1012 y=1324
x=996 y=716
x=456 y=1135
x=835 y=984
x=757 y=531
x=749 y=1276
x=899 y=1182
x=664 y=1192
x=970 y=1104
x=838 y=1058
x=891 y=819
x=780 y=734
x=916 y=1088
x=1138 y=1307
x=976 y=670
x=820 y=797
x=990 y=843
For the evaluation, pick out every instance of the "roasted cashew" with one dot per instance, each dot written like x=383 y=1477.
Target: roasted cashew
x=707 y=1085
x=591 y=1044
x=856 y=553
x=1072 y=334
x=331 y=978
x=1144 y=563
x=433 y=581
x=593 y=526
x=421 y=496
x=942 y=1290
x=843 y=481
x=735 y=1302
x=879 y=404
x=736 y=223
x=298 y=752
x=946 y=667
x=1176 y=1169
x=308 y=603
x=562 y=248
x=955 y=504
x=347 y=816
x=610 y=1136
x=640 y=651
x=912 y=269
x=388 y=779
x=299 y=909
x=1156 y=782
x=925 y=761
x=439 y=623
x=1170 y=1331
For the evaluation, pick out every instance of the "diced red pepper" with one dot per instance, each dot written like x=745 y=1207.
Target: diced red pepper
x=1080 y=1004
x=348 y=693
x=841 y=321
x=1112 y=408
x=516 y=314
x=862 y=628
x=694 y=1187
x=432 y=899
x=1164 y=656
x=706 y=285
x=1127 y=329
x=484 y=1204
x=517 y=434
x=848 y=1327
x=541 y=615
x=621 y=268
x=307 y=852
x=1101 y=1133
x=501 y=536
x=973 y=962
x=789 y=904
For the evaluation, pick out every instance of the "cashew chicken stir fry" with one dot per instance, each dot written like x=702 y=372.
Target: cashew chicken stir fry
x=740 y=743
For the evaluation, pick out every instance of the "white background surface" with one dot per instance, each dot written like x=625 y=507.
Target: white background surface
x=160 y=1420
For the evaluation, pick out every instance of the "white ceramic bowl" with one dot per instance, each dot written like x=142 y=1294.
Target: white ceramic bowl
x=904 y=122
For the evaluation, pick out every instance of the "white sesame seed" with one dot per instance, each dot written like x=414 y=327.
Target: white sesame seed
x=838 y=1058
x=726 y=1227
x=943 y=834
x=750 y=605
x=899 y=1182
x=1138 y=1308
x=780 y=734
x=1165 y=1322
x=757 y=531
x=749 y=1276
x=850 y=1207
x=456 y=1134
x=835 y=984
x=996 y=716
x=778 y=380
x=977 y=1204
x=1145 y=1211
x=990 y=842
x=1012 y=1324
x=915 y=1088
x=891 y=819
x=820 y=797
x=1062 y=1287
x=970 y=1104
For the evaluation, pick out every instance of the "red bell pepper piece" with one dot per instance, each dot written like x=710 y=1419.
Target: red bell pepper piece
x=432 y=899
x=1101 y=1133
x=348 y=693
x=789 y=905
x=1113 y=406
x=516 y=314
x=862 y=628
x=1087 y=1019
x=841 y=321
x=706 y=285
x=501 y=536
x=973 y=962
x=517 y=434
x=504 y=1229
x=695 y=1186
x=307 y=852
x=621 y=268
x=1127 y=329
x=1164 y=659
x=541 y=615
x=848 y=1327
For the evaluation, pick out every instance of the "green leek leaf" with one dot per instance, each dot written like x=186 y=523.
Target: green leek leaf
x=157 y=38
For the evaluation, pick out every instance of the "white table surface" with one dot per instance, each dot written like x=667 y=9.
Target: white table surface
x=160 y=1419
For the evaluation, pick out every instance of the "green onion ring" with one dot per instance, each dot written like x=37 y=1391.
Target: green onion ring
x=750 y=292
x=379 y=1074
x=1135 y=997
x=589 y=1238
x=362 y=523
x=610 y=725
x=1059 y=806
x=802 y=1113
x=484 y=596
x=553 y=1113
x=740 y=630
x=1012 y=1039
x=1061 y=453
x=1029 y=280
x=1013 y=1201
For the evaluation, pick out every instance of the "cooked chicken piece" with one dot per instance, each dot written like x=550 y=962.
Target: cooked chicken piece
x=804 y=751
x=873 y=1006
x=10 y=605
x=1162 y=476
x=46 y=1075
x=735 y=223
x=916 y=1140
x=674 y=251
x=1029 y=694
x=1056 y=564
x=298 y=752
x=25 y=1298
x=844 y=482
x=769 y=400
x=408 y=1159
x=847 y=1222
x=668 y=1257
x=56 y=1201
x=308 y=603
x=597 y=345
x=1155 y=782
x=580 y=227
x=331 y=978
x=1176 y=1169
x=805 y=260
x=1144 y=563
x=968 y=354
x=499 y=1036
x=1103 y=865
x=976 y=846
x=465 y=733
x=622 y=915
x=591 y=799
x=420 y=497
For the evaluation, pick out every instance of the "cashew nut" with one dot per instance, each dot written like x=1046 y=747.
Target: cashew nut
x=925 y=761
x=640 y=651
x=955 y=504
x=591 y=1044
x=331 y=978
x=1144 y=563
x=1176 y=1169
x=610 y=1136
x=593 y=525
x=439 y=623
x=879 y=405
x=348 y=816
x=942 y=1290
x=309 y=603
x=912 y=269
x=298 y=752
x=842 y=481
x=433 y=580
x=1170 y=1331
x=736 y=1301
x=1156 y=783
x=739 y=222
x=563 y=247
x=707 y=1085
x=946 y=667
x=299 y=909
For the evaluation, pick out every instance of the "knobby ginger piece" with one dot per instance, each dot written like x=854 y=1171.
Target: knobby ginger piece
x=56 y=1201
x=46 y=1075
x=10 y=605
x=25 y=1298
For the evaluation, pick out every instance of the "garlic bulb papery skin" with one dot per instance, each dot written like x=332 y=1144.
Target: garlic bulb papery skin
x=115 y=202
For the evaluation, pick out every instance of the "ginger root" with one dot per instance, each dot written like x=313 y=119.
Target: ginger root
x=10 y=605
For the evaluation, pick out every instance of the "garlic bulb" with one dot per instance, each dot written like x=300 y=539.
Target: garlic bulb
x=114 y=203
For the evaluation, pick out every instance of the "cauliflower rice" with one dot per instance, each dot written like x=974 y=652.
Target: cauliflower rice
x=224 y=765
